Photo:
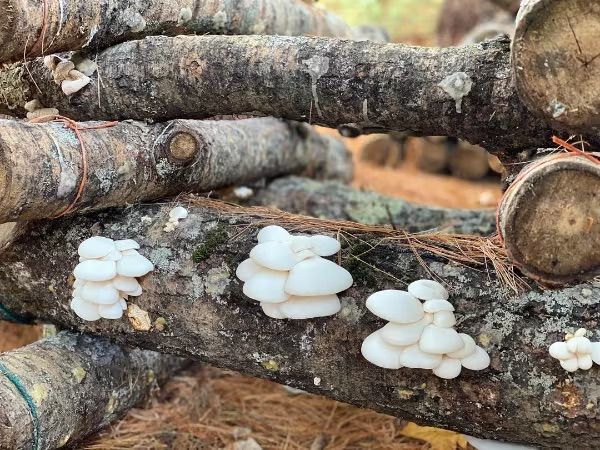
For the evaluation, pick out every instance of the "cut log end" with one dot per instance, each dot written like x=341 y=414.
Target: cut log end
x=555 y=56
x=183 y=147
x=551 y=221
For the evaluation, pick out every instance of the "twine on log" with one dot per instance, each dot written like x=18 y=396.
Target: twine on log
x=19 y=386
x=42 y=36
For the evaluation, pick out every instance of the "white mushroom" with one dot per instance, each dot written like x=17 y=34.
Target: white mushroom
x=433 y=306
x=87 y=67
x=114 y=311
x=178 y=213
x=99 y=292
x=440 y=340
x=478 y=360
x=467 y=350
x=267 y=286
x=596 y=352
x=273 y=233
x=123 y=303
x=274 y=255
x=247 y=269
x=444 y=319
x=378 y=352
x=317 y=276
x=95 y=270
x=310 y=307
x=325 y=245
x=403 y=334
x=414 y=358
x=125 y=284
x=585 y=361
x=448 y=369
x=272 y=310
x=559 y=350
x=570 y=365
x=75 y=82
x=62 y=70
x=134 y=265
x=115 y=255
x=96 y=247
x=428 y=290
x=85 y=310
x=305 y=254
x=134 y=293
x=579 y=344
x=395 y=306
x=126 y=244
x=300 y=243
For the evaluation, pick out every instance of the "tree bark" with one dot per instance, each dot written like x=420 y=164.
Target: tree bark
x=76 y=384
x=525 y=396
x=94 y=26
x=550 y=219
x=333 y=200
x=42 y=165
x=375 y=87
x=556 y=59
x=511 y=6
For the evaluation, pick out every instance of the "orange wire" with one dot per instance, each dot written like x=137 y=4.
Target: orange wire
x=71 y=124
x=42 y=35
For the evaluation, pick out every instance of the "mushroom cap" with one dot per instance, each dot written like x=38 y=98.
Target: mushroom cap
x=126 y=244
x=415 y=358
x=444 y=319
x=403 y=334
x=85 y=310
x=123 y=303
x=325 y=245
x=96 y=247
x=448 y=369
x=438 y=340
x=134 y=265
x=570 y=365
x=467 y=350
x=135 y=293
x=247 y=269
x=114 y=311
x=125 y=284
x=478 y=360
x=428 y=290
x=317 y=276
x=305 y=254
x=115 y=255
x=395 y=306
x=310 y=307
x=559 y=350
x=272 y=310
x=585 y=362
x=433 y=306
x=95 y=270
x=300 y=243
x=579 y=344
x=267 y=286
x=76 y=82
x=274 y=255
x=378 y=352
x=596 y=352
x=177 y=213
x=273 y=233
x=99 y=292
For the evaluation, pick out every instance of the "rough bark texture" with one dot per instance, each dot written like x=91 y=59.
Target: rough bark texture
x=525 y=395
x=556 y=60
x=41 y=164
x=78 y=384
x=550 y=220
x=376 y=87
x=335 y=200
x=99 y=24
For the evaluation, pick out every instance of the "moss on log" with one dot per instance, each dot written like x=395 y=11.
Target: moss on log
x=76 y=385
x=525 y=396
x=463 y=91
x=41 y=165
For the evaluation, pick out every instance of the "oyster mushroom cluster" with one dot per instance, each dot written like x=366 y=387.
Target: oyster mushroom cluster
x=420 y=335
x=106 y=276
x=290 y=278
x=576 y=352
x=72 y=76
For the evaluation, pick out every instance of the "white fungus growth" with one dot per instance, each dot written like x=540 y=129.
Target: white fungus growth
x=288 y=276
x=420 y=335
x=576 y=351
x=175 y=215
x=316 y=66
x=105 y=277
x=70 y=79
x=457 y=86
x=243 y=192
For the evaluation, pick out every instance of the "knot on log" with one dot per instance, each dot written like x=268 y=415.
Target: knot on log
x=183 y=147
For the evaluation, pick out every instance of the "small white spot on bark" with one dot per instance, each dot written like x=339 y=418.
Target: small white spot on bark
x=365 y=110
x=317 y=381
x=185 y=15
x=557 y=108
x=316 y=66
x=457 y=86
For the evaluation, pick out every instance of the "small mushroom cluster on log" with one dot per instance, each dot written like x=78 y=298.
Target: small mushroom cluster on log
x=191 y=119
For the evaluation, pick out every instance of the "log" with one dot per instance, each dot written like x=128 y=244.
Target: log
x=556 y=59
x=334 y=200
x=468 y=161
x=383 y=150
x=432 y=156
x=57 y=391
x=94 y=26
x=42 y=164
x=377 y=87
x=550 y=219
x=525 y=396
x=512 y=6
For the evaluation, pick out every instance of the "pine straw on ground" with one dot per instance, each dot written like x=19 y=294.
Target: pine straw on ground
x=208 y=408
